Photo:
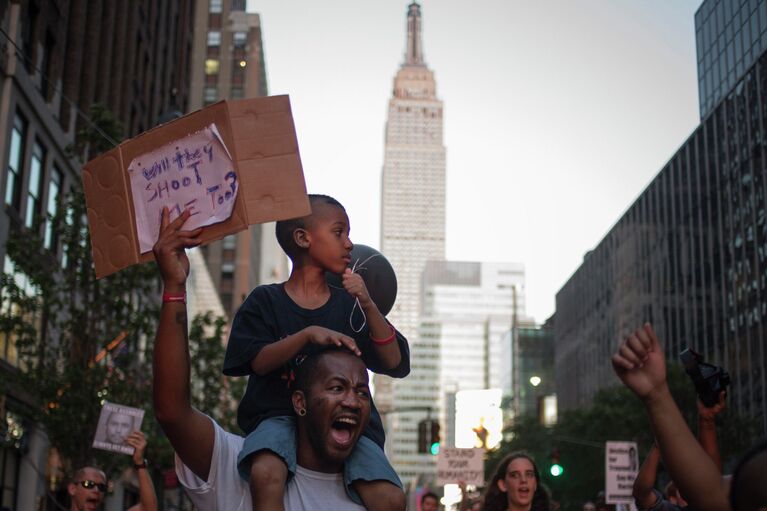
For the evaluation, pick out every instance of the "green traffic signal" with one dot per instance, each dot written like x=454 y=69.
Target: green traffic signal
x=556 y=470
x=434 y=448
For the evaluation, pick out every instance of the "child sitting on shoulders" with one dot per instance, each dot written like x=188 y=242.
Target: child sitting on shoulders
x=278 y=325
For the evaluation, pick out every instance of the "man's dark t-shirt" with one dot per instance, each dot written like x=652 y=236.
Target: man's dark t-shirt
x=268 y=315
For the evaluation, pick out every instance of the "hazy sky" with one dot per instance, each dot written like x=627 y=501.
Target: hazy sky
x=557 y=113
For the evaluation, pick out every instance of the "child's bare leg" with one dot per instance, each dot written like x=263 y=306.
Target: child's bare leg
x=380 y=495
x=268 y=474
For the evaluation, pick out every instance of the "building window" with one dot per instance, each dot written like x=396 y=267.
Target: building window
x=239 y=39
x=230 y=242
x=237 y=93
x=211 y=66
x=214 y=38
x=35 y=185
x=51 y=238
x=69 y=220
x=227 y=270
x=210 y=95
x=15 y=162
x=215 y=6
x=17 y=314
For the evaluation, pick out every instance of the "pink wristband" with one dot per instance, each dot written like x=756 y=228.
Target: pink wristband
x=388 y=340
x=172 y=297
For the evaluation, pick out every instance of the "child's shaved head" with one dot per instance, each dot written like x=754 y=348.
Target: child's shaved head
x=285 y=228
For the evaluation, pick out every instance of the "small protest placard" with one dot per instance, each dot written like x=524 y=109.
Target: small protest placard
x=116 y=422
x=195 y=173
x=621 y=467
x=455 y=464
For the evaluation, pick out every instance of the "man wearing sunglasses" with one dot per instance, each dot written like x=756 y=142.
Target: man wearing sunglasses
x=89 y=485
x=87 y=489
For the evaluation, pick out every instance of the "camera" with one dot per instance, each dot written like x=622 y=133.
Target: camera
x=709 y=380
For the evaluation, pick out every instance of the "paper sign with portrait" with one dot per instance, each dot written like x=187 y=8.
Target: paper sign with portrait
x=195 y=172
x=116 y=422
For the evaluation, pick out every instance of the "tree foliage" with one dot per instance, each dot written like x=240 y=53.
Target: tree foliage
x=615 y=414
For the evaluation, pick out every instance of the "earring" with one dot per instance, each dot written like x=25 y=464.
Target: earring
x=301 y=412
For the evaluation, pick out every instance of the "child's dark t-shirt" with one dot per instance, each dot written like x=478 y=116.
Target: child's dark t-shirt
x=268 y=315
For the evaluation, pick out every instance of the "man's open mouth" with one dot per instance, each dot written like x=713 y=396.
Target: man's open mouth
x=343 y=429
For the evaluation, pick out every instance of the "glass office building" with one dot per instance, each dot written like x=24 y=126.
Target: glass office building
x=690 y=256
x=730 y=36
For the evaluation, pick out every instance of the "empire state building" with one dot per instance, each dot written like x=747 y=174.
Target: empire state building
x=412 y=233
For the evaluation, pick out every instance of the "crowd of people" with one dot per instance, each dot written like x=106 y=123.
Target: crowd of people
x=314 y=437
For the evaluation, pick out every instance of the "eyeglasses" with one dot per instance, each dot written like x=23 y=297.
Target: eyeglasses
x=88 y=485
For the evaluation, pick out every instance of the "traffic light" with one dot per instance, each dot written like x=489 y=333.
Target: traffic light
x=434 y=437
x=428 y=437
x=555 y=469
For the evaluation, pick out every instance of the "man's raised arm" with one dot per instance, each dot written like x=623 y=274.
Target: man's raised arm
x=190 y=432
x=640 y=363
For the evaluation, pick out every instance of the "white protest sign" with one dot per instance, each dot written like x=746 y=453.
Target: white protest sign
x=455 y=464
x=621 y=467
x=195 y=173
x=115 y=423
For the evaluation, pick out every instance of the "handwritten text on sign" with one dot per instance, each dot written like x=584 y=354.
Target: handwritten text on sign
x=194 y=173
x=454 y=465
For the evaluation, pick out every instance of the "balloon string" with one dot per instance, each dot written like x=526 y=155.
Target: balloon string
x=356 y=268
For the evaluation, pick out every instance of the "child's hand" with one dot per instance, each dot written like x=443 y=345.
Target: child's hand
x=327 y=337
x=356 y=287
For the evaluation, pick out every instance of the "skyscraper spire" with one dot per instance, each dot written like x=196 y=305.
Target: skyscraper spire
x=414 y=55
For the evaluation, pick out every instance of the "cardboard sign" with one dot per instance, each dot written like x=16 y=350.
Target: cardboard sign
x=621 y=467
x=455 y=464
x=116 y=422
x=259 y=136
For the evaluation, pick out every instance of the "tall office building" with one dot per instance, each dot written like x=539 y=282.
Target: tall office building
x=412 y=231
x=58 y=59
x=730 y=35
x=690 y=256
x=467 y=308
x=228 y=63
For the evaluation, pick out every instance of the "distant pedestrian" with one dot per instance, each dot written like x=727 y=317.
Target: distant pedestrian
x=429 y=502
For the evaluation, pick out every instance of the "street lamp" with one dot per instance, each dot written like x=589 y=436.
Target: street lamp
x=535 y=381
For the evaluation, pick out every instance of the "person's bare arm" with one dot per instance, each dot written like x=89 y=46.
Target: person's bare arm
x=147 y=495
x=389 y=354
x=707 y=429
x=645 y=481
x=189 y=431
x=641 y=365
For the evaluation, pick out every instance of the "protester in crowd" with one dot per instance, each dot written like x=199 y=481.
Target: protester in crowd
x=429 y=501
x=468 y=504
x=515 y=486
x=89 y=485
x=645 y=494
x=278 y=325
x=641 y=365
x=330 y=385
x=87 y=489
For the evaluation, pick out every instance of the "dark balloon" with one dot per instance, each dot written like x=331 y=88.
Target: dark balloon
x=377 y=273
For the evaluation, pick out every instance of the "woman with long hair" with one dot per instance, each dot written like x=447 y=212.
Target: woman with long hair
x=516 y=486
